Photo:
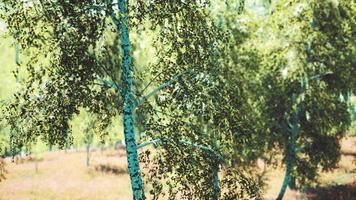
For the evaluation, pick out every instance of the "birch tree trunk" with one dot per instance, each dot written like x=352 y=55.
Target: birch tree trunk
x=129 y=129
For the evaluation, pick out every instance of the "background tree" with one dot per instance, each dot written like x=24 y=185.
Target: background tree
x=89 y=137
x=303 y=78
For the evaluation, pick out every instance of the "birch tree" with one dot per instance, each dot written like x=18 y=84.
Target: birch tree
x=307 y=68
x=80 y=54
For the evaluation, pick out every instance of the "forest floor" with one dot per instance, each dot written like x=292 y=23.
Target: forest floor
x=64 y=176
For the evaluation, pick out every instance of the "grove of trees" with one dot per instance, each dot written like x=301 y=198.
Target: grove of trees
x=204 y=88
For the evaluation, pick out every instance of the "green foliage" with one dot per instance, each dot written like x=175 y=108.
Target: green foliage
x=56 y=38
x=207 y=106
x=303 y=45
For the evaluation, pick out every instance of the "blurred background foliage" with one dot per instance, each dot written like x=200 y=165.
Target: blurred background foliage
x=9 y=85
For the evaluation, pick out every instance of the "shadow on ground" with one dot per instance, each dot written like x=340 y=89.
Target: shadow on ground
x=339 y=192
x=349 y=154
x=111 y=169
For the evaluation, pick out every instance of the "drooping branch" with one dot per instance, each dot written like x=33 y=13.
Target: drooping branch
x=205 y=148
x=107 y=83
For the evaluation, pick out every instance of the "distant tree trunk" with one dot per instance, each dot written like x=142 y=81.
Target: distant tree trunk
x=36 y=163
x=291 y=154
x=2 y=169
x=286 y=180
x=88 y=154
x=102 y=149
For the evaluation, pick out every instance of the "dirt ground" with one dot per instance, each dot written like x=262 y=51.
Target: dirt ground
x=64 y=176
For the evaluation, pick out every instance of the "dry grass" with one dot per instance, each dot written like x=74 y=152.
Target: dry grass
x=64 y=176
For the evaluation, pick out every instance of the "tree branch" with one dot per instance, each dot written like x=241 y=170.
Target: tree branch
x=320 y=75
x=289 y=124
x=156 y=141
x=115 y=19
x=144 y=89
x=160 y=87
x=111 y=84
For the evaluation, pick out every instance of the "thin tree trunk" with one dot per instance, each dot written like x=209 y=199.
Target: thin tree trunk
x=289 y=162
x=88 y=155
x=292 y=183
x=286 y=180
x=129 y=129
x=36 y=162
x=36 y=166
x=291 y=155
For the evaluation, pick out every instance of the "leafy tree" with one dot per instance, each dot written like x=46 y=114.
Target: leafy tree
x=303 y=73
x=59 y=38
x=72 y=64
